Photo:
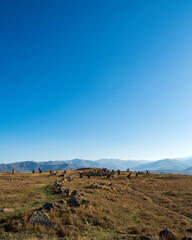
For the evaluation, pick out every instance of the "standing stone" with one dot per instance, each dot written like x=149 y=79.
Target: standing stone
x=129 y=175
x=80 y=175
x=13 y=170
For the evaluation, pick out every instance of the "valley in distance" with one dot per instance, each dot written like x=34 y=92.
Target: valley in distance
x=104 y=199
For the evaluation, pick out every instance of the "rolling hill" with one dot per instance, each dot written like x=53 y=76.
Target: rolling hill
x=177 y=165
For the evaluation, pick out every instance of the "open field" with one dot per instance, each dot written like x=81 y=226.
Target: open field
x=119 y=208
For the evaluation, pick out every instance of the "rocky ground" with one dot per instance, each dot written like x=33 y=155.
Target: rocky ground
x=95 y=204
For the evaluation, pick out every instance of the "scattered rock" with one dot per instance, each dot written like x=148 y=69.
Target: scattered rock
x=7 y=210
x=73 y=202
x=48 y=206
x=69 y=179
x=187 y=238
x=189 y=230
x=145 y=237
x=167 y=234
x=86 y=203
x=51 y=206
x=74 y=193
x=41 y=219
x=61 y=201
x=64 y=190
x=73 y=210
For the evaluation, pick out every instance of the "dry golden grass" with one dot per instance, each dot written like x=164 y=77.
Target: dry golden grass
x=143 y=206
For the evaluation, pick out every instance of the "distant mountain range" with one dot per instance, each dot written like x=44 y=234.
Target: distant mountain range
x=177 y=165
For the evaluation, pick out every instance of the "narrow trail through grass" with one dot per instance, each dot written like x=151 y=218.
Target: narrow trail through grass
x=47 y=192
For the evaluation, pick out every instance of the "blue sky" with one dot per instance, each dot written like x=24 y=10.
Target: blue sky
x=95 y=79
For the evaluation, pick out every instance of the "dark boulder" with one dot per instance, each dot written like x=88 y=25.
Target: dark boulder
x=187 y=238
x=167 y=234
x=73 y=202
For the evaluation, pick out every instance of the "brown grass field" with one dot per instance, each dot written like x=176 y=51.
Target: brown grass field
x=142 y=206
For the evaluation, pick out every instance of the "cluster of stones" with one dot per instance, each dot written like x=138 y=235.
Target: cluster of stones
x=75 y=199
x=105 y=172
x=41 y=217
x=166 y=234
x=59 y=183
x=97 y=172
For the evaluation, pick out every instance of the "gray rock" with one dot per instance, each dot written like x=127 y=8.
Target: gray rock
x=38 y=218
x=189 y=230
x=167 y=234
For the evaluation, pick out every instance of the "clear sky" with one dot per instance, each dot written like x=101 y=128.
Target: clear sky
x=95 y=79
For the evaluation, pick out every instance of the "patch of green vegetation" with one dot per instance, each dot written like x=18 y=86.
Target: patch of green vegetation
x=47 y=191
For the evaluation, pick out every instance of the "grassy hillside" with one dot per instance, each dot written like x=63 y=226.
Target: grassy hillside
x=119 y=208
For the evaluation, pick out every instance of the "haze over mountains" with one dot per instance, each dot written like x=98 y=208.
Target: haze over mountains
x=177 y=165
